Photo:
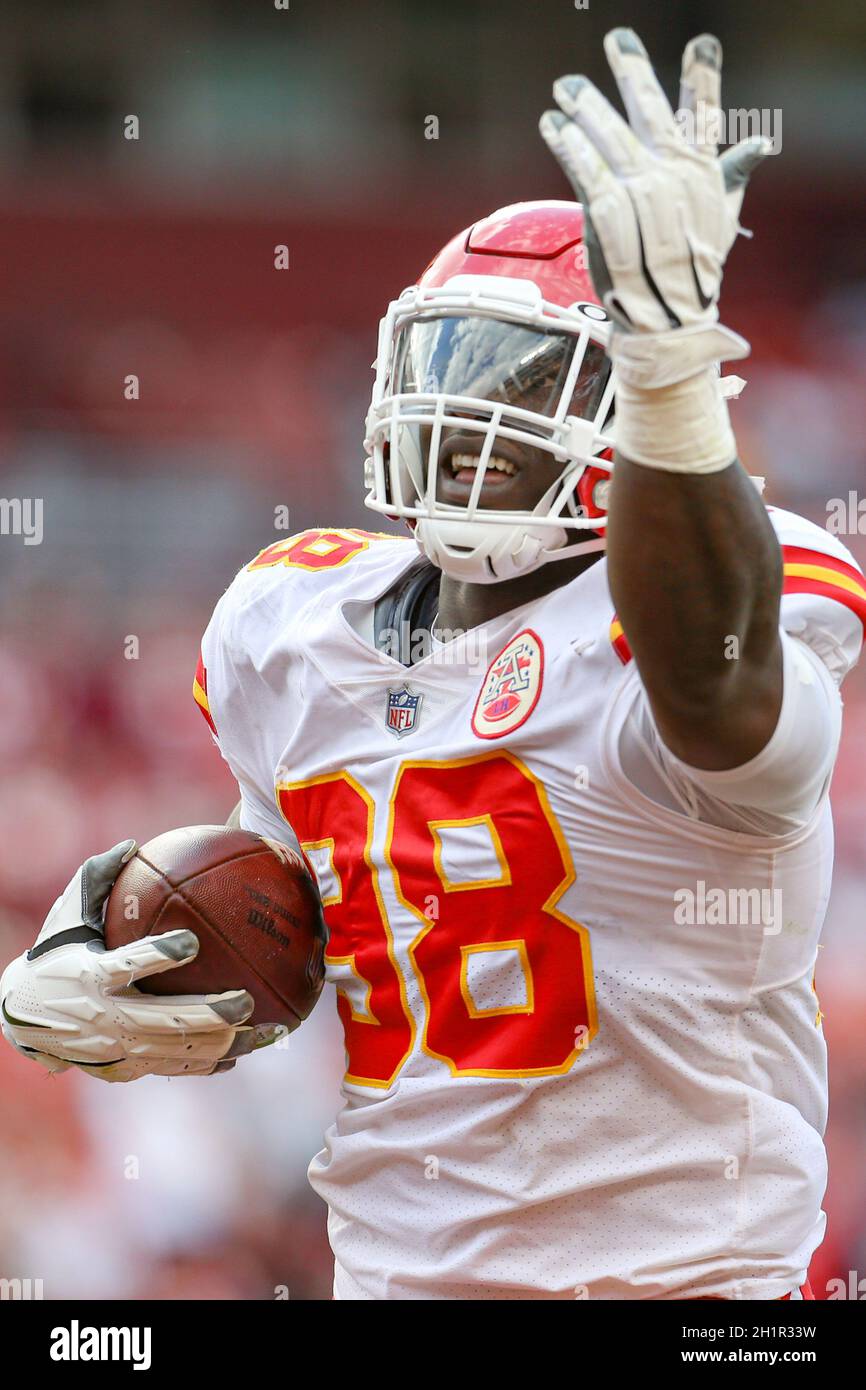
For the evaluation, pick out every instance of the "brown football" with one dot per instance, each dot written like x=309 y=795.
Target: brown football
x=251 y=902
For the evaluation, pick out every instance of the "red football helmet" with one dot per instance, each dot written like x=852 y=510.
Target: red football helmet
x=502 y=337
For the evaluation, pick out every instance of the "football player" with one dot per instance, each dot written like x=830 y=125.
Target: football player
x=575 y=846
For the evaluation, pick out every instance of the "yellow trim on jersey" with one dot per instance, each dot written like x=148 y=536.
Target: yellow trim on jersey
x=504 y=880
x=825 y=576
x=306 y=543
x=819 y=1012
x=488 y=946
x=327 y=843
x=380 y=903
x=369 y=1016
x=548 y=906
x=200 y=697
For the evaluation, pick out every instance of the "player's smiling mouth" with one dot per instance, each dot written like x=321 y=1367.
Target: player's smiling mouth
x=467 y=463
x=459 y=457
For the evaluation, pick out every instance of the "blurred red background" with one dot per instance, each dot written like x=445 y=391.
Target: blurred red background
x=155 y=257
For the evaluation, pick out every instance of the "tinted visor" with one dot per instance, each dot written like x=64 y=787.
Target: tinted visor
x=498 y=361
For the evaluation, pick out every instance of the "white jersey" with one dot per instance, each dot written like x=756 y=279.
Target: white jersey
x=584 y=1052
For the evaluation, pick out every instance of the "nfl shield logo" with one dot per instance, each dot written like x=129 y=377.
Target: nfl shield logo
x=403 y=709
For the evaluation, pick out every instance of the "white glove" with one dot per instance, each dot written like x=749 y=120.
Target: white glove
x=661 y=213
x=70 y=1002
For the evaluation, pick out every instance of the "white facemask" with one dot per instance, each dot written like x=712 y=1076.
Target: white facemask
x=459 y=359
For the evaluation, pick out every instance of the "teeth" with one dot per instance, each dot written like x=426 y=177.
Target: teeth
x=501 y=465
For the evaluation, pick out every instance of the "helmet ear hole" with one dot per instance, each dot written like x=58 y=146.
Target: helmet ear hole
x=592 y=490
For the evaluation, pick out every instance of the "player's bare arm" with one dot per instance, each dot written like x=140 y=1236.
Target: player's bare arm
x=696 y=574
x=694 y=566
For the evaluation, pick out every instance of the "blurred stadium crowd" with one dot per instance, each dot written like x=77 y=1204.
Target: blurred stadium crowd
x=155 y=257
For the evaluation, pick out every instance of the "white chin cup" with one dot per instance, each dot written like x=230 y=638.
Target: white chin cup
x=486 y=552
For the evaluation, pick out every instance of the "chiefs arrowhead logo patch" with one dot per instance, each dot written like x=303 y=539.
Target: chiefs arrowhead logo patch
x=511 y=687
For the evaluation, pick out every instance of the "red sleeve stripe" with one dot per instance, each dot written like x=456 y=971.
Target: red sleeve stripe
x=800 y=584
x=618 y=641
x=795 y=555
x=201 y=675
x=199 y=693
x=812 y=572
